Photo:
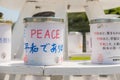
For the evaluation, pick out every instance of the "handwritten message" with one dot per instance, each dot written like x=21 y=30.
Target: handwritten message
x=105 y=43
x=43 y=39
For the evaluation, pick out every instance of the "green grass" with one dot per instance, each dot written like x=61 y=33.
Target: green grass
x=79 y=58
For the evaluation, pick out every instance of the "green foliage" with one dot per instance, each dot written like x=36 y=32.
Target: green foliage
x=113 y=11
x=78 y=22
x=1 y=15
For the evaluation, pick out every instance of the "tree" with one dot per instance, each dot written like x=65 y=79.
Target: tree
x=78 y=22
x=1 y=15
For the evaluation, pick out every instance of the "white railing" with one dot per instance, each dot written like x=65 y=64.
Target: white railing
x=67 y=68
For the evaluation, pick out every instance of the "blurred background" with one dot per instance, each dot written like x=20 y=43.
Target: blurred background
x=78 y=22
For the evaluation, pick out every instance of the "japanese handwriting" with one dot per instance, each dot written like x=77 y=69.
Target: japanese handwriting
x=45 y=48
x=108 y=40
x=32 y=48
x=53 y=49
x=4 y=40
